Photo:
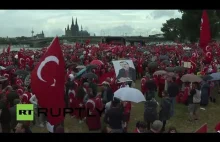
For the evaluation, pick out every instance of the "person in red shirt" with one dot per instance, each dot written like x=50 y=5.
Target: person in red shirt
x=127 y=110
x=143 y=85
x=217 y=128
x=161 y=86
x=186 y=93
x=93 y=121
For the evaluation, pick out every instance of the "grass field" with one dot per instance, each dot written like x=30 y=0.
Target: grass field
x=211 y=116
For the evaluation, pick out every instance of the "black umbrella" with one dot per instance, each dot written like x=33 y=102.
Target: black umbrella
x=21 y=72
x=179 y=69
x=71 y=65
x=90 y=76
x=90 y=67
x=207 y=77
x=166 y=62
x=170 y=69
x=152 y=65
x=163 y=57
x=9 y=68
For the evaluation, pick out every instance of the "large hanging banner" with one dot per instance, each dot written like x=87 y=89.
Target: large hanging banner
x=124 y=70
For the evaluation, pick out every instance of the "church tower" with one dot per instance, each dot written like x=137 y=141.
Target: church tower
x=77 y=28
x=73 y=29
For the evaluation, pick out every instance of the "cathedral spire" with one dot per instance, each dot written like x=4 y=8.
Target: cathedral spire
x=72 y=22
x=81 y=28
x=76 y=22
x=68 y=28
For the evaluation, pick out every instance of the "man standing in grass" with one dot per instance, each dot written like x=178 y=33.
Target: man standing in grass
x=173 y=91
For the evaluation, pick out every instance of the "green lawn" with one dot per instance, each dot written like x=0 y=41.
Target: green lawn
x=211 y=116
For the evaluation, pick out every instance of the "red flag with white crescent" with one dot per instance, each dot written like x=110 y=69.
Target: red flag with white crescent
x=205 y=35
x=48 y=81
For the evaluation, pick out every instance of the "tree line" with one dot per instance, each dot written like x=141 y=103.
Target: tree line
x=188 y=26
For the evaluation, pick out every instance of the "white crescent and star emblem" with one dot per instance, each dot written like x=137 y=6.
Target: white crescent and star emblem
x=207 y=48
x=201 y=24
x=21 y=60
x=46 y=60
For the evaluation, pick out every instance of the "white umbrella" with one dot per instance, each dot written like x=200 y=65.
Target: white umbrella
x=80 y=67
x=2 y=68
x=129 y=94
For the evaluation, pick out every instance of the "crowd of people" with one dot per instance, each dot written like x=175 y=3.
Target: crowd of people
x=90 y=92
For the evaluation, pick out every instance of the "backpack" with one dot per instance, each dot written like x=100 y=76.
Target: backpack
x=197 y=97
x=150 y=107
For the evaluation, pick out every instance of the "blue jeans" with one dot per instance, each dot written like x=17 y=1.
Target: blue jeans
x=173 y=100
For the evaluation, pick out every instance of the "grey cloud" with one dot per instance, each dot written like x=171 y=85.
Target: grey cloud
x=55 y=32
x=162 y=13
x=118 y=30
x=53 y=22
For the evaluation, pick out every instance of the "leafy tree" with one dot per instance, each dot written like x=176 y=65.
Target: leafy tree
x=173 y=29
x=191 y=21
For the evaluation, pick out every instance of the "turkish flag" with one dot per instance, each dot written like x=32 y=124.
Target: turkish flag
x=48 y=80
x=202 y=129
x=205 y=35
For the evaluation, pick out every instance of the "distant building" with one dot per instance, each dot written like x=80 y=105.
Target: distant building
x=157 y=36
x=74 y=30
x=41 y=35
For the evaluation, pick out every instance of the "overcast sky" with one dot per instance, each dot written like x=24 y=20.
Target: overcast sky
x=15 y=23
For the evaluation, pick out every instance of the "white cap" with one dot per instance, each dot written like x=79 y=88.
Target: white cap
x=71 y=76
x=16 y=56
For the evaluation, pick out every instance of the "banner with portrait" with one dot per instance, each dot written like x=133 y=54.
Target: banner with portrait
x=124 y=70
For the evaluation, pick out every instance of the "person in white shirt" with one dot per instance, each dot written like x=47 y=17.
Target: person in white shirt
x=38 y=120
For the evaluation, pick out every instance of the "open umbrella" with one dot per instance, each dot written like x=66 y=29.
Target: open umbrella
x=160 y=72
x=80 y=67
x=207 y=77
x=169 y=69
x=166 y=62
x=171 y=74
x=90 y=76
x=21 y=72
x=129 y=94
x=80 y=73
x=163 y=57
x=90 y=67
x=152 y=65
x=191 y=78
x=9 y=68
x=2 y=79
x=179 y=69
x=215 y=76
x=97 y=62
x=2 y=68
x=71 y=65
